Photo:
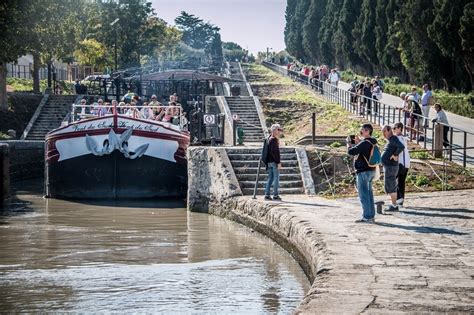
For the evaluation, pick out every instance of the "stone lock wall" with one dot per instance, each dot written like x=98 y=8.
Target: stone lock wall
x=211 y=178
x=26 y=159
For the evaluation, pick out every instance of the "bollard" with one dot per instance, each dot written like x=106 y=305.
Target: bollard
x=4 y=172
x=379 y=205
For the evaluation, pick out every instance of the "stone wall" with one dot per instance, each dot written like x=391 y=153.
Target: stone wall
x=26 y=159
x=211 y=178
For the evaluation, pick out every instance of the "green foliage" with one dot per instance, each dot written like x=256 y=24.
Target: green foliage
x=91 y=52
x=335 y=144
x=24 y=85
x=423 y=155
x=422 y=180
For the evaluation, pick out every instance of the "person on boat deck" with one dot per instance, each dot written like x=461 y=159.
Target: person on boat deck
x=97 y=108
x=157 y=110
x=132 y=110
x=113 y=109
x=83 y=107
x=122 y=108
x=146 y=112
x=172 y=112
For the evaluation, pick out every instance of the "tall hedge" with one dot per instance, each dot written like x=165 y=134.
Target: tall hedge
x=416 y=40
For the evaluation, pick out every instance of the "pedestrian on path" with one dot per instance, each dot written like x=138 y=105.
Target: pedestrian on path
x=361 y=147
x=403 y=163
x=426 y=100
x=441 y=118
x=390 y=165
x=273 y=162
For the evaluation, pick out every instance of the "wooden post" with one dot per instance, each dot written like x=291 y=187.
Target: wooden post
x=438 y=141
x=4 y=172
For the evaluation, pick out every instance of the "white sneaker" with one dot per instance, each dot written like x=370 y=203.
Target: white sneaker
x=400 y=201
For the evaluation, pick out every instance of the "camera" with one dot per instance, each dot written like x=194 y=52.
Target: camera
x=351 y=139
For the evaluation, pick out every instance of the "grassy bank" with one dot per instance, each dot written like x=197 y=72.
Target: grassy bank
x=291 y=105
x=457 y=103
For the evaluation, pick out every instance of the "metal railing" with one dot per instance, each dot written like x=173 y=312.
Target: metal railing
x=170 y=114
x=378 y=112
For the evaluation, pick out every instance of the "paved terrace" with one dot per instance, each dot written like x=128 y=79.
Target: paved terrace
x=417 y=260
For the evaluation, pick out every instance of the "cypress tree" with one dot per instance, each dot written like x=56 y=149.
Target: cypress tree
x=311 y=26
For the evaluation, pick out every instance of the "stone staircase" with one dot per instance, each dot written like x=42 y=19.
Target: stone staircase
x=245 y=164
x=51 y=116
x=244 y=106
x=236 y=74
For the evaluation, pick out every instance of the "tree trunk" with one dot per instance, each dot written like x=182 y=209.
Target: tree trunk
x=36 y=68
x=3 y=86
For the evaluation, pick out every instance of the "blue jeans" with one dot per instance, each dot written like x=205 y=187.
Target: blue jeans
x=366 y=195
x=273 y=178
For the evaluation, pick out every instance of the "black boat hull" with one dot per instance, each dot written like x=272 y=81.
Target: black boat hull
x=115 y=177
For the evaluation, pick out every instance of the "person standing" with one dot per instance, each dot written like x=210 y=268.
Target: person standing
x=390 y=165
x=334 y=79
x=361 y=149
x=426 y=99
x=403 y=163
x=273 y=162
x=441 y=118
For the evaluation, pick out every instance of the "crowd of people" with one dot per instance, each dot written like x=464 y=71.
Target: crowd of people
x=366 y=95
x=150 y=109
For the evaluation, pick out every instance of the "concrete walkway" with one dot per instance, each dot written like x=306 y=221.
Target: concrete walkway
x=418 y=260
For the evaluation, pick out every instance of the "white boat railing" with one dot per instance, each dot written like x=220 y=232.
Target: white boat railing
x=169 y=114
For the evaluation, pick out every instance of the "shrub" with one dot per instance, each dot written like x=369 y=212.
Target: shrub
x=422 y=180
x=423 y=155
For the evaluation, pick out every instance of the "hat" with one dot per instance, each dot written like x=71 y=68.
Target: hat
x=275 y=127
x=403 y=94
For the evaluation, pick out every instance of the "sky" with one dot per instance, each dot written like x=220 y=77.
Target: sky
x=253 y=24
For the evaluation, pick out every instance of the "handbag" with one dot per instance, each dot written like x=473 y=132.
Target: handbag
x=377 y=172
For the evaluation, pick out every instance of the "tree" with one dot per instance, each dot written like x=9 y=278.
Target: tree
x=14 y=38
x=466 y=34
x=293 y=36
x=91 y=52
x=447 y=16
x=311 y=23
x=345 y=52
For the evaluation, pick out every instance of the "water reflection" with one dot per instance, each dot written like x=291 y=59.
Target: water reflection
x=142 y=257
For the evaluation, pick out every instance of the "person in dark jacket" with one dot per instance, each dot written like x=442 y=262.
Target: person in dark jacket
x=361 y=149
x=273 y=162
x=390 y=165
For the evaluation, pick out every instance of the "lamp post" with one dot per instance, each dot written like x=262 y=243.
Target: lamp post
x=115 y=44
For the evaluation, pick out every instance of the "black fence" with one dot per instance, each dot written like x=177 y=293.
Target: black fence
x=376 y=111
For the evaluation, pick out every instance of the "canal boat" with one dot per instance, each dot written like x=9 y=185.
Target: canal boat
x=116 y=156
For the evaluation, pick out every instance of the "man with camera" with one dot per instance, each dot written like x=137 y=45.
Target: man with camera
x=361 y=147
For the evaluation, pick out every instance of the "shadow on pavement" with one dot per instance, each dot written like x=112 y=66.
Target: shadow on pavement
x=421 y=229
x=442 y=209
x=439 y=215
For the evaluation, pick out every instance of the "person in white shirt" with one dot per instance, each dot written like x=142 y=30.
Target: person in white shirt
x=426 y=99
x=403 y=163
x=416 y=96
x=441 y=118
x=334 y=79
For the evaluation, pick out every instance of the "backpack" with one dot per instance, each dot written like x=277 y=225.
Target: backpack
x=416 y=107
x=375 y=157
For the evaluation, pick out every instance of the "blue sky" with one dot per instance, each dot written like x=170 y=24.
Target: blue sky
x=254 y=24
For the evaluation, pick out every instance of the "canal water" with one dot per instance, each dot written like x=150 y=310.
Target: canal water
x=138 y=257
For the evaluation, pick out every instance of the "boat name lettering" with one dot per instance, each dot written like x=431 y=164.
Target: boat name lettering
x=124 y=124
